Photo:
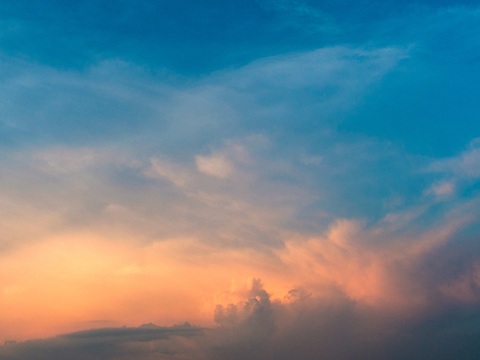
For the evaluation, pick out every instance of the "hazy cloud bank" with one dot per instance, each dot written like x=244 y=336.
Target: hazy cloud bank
x=258 y=328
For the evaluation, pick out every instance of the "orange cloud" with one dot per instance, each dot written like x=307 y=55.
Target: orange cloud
x=374 y=267
x=67 y=281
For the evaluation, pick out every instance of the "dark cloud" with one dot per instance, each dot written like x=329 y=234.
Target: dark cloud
x=336 y=327
x=257 y=328
x=144 y=342
x=245 y=328
x=259 y=156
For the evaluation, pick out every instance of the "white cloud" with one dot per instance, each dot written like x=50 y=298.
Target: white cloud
x=463 y=166
x=442 y=190
x=163 y=168
x=216 y=165
x=64 y=159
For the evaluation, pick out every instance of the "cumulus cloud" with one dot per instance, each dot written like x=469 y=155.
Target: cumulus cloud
x=262 y=328
x=372 y=267
x=375 y=292
x=356 y=262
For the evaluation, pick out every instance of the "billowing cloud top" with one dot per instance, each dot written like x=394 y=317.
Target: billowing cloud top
x=295 y=179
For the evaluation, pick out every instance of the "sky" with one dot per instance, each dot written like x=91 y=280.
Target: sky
x=244 y=179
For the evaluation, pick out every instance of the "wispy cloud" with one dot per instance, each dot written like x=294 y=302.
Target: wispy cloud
x=463 y=166
x=216 y=165
x=134 y=193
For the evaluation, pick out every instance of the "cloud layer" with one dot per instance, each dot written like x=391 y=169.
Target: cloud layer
x=295 y=179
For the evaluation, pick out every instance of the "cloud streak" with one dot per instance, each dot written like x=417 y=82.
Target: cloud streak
x=295 y=203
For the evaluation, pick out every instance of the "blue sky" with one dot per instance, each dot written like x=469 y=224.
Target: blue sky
x=187 y=40
x=327 y=150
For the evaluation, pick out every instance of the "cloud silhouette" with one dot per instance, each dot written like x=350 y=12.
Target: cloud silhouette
x=328 y=327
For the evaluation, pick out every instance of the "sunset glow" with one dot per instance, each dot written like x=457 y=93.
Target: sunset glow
x=262 y=180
